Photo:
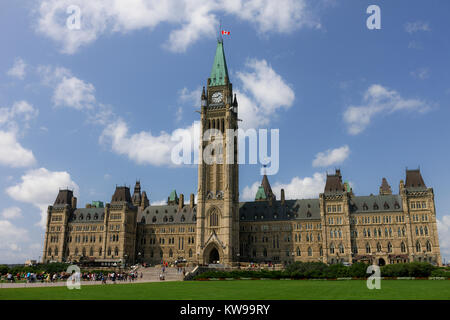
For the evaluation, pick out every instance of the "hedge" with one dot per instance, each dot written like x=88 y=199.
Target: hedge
x=319 y=270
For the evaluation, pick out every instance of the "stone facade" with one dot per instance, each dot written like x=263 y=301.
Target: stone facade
x=336 y=227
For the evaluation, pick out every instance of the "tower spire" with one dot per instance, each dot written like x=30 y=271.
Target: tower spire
x=219 y=71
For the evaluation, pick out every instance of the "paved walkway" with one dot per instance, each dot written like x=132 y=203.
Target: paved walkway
x=83 y=283
x=149 y=275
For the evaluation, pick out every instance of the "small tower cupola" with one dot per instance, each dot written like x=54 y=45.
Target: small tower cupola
x=385 y=188
x=264 y=192
x=173 y=198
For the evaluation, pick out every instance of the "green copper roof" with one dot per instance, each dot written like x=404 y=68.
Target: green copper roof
x=260 y=194
x=347 y=186
x=219 y=69
x=173 y=196
x=97 y=204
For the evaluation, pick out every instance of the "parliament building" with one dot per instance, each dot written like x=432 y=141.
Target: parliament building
x=336 y=227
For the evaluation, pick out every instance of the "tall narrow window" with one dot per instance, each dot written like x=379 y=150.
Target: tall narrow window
x=403 y=247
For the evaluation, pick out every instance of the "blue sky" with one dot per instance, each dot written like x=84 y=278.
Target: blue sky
x=76 y=104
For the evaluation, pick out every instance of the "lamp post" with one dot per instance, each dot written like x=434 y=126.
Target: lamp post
x=125 y=262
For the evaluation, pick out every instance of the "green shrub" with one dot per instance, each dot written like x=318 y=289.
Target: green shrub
x=412 y=269
x=441 y=272
x=358 y=270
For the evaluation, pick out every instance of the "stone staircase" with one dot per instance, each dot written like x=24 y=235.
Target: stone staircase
x=152 y=273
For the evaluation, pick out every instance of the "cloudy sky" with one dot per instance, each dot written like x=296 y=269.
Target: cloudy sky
x=99 y=106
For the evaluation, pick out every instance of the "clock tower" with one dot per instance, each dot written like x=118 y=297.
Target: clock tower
x=218 y=187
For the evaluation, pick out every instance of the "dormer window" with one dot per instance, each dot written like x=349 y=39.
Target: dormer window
x=365 y=207
x=154 y=219
x=396 y=205
x=308 y=214
x=386 y=206
x=165 y=219
x=375 y=206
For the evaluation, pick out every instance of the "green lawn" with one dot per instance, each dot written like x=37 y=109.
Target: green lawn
x=242 y=290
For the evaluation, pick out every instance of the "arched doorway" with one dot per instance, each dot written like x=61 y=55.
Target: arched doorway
x=214 y=256
x=381 y=262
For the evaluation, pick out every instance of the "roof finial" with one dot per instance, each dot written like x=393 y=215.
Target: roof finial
x=219 y=35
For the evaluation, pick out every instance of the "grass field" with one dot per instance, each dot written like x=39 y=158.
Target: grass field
x=242 y=290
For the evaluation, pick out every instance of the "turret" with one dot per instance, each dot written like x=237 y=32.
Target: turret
x=137 y=194
x=204 y=100
x=144 y=202
x=181 y=202
x=192 y=201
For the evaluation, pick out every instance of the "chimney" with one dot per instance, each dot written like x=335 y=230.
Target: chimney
x=282 y=197
x=74 y=202
x=192 y=201
x=181 y=202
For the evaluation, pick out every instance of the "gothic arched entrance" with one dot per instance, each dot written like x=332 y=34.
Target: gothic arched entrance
x=214 y=256
x=381 y=262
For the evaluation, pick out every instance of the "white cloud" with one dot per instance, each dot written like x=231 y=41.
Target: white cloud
x=331 y=157
x=192 y=19
x=379 y=100
x=191 y=98
x=159 y=203
x=416 y=26
x=74 y=93
x=10 y=235
x=443 y=225
x=12 y=154
x=421 y=73
x=18 y=69
x=20 y=111
x=40 y=187
x=11 y=213
x=264 y=92
x=144 y=147
x=297 y=188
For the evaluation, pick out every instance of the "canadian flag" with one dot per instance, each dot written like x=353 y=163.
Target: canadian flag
x=225 y=32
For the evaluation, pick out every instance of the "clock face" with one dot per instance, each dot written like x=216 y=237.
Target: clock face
x=217 y=97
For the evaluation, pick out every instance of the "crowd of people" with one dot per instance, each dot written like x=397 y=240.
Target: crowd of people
x=31 y=277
